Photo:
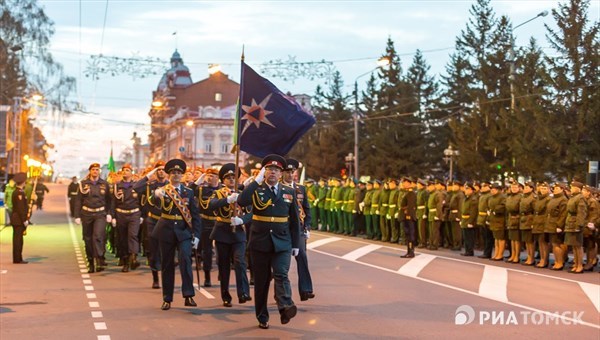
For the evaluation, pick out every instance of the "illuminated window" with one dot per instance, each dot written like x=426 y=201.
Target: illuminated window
x=218 y=97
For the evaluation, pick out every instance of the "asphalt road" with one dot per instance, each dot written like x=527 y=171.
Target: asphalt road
x=363 y=290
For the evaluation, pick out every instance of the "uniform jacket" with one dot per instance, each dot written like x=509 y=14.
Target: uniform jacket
x=367 y=200
x=435 y=205
x=593 y=215
x=422 y=197
x=469 y=211
x=41 y=189
x=513 y=217
x=322 y=197
x=456 y=205
x=20 y=208
x=497 y=211
x=577 y=213
x=526 y=211
x=272 y=236
x=92 y=195
x=482 y=208
x=72 y=190
x=302 y=200
x=556 y=211
x=375 y=201
x=223 y=231
x=540 y=213
x=147 y=188
x=408 y=206
x=164 y=227
x=124 y=197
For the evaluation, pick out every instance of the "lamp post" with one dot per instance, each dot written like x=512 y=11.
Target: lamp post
x=380 y=63
x=449 y=155
x=349 y=159
x=512 y=56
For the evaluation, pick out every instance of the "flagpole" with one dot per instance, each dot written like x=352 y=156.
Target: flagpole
x=236 y=133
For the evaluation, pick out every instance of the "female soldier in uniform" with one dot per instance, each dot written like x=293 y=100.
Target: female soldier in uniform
x=496 y=218
x=526 y=222
x=539 y=223
x=555 y=223
x=513 y=202
x=577 y=213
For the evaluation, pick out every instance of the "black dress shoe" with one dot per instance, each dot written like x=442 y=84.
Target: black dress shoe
x=245 y=298
x=557 y=269
x=407 y=256
x=166 y=305
x=484 y=257
x=227 y=304
x=500 y=259
x=21 y=262
x=155 y=285
x=288 y=313
x=263 y=325
x=466 y=254
x=207 y=284
x=189 y=301
x=306 y=295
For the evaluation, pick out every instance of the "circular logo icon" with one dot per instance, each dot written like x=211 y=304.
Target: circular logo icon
x=464 y=315
x=181 y=148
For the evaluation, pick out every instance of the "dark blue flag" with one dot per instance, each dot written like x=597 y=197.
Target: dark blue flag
x=269 y=121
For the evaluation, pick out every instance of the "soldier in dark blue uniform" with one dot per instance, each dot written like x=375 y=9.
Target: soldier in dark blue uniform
x=304 y=280
x=153 y=180
x=19 y=217
x=229 y=234
x=126 y=209
x=206 y=185
x=92 y=205
x=274 y=238
x=71 y=194
x=179 y=227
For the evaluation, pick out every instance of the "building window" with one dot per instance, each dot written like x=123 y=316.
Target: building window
x=218 y=96
x=224 y=147
x=208 y=147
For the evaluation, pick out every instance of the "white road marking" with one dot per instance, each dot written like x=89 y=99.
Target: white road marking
x=89 y=287
x=94 y=304
x=82 y=266
x=494 y=282
x=204 y=292
x=413 y=267
x=100 y=326
x=87 y=282
x=318 y=243
x=85 y=276
x=96 y=314
x=593 y=293
x=103 y=337
x=360 y=252
x=83 y=270
x=3 y=271
x=91 y=295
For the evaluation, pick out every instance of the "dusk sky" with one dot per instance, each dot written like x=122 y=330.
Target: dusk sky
x=351 y=34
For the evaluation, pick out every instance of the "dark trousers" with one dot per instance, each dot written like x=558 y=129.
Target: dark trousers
x=488 y=240
x=304 y=279
x=39 y=202
x=153 y=250
x=394 y=230
x=167 y=253
x=226 y=252
x=72 y=206
x=384 y=226
x=128 y=226
x=206 y=248
x=322 y=219
x=94 y=233
x=410 y=230
x=375 y=226
x=17 y=243
x=279 y=265
x=469 y=238
x=446 y=234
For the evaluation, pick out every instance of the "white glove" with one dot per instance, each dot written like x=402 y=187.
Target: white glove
x=457 y=219
x=591 y=226
x=160 y=192
x=488 y=213
x=153 y=171
x=353 y=211
x=558 y=230
x=232 y=198
x=200 y=180
x=26 y=223
x=436 y=218
x=141 y=220
x=361 y=205
x=295 y=251
x=235 y=220
x=424 y=217
x=113 y=222
x=388 y=216
x=396 y=215
x=316 y=201
x=78 y=220
x=376 y=212
x=261 y=176
x=469 y=226
x=195 y=243
x=307 y=234
x=108 y=218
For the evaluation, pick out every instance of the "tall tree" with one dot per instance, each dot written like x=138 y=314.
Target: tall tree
x=575 y=72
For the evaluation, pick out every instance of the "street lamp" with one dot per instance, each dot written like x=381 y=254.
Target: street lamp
x=349 y=159
x=512 y=56
x=449 y=155
x=381 y=62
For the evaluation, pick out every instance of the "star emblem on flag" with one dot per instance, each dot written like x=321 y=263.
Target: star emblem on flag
x=256 y=113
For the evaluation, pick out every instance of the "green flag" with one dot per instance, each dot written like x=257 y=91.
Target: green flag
x=111 y=162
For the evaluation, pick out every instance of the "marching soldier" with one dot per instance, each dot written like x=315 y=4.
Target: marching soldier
x=375 y=212
x=468 y=218
x=526 y=209
x=305 y=286
x=92 y=206
x=179 y=227
x=591 y=228
x=482 y=221
x=206 y=185
x=408 y=213
x=40 y=191
x=539 y=223
x=496 y=217
x=555 y=224
x=274 y=238
x=153 y=180
x=422 y=196
x=19 y=217
x=577 y=217
x=126 y=209
x=513 y=204
x=71 y=194
x=454 y=215
x=230 y=236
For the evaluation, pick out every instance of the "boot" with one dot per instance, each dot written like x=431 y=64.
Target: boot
x=91 y=267
x=410 y=251
x=155 y=284
x=133 y=262
x=125 y=268
x=207 y=282
x=99 y=266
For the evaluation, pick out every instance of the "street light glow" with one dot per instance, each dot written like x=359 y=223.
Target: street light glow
x=214 y=68
x=157 y=103
x=37 y=97
x=383 y=61
x=189 y=122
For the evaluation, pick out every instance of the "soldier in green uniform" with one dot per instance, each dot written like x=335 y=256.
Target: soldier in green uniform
x=392 y=214
x=312 y=193
x=348 y=206
x=454 y=215
x=408 y=213
x=322 y=202
x=384 y=224
x=482 y=221
x=589 y=239
x=422 y=196
x=329 y=206
x=555 y=224
x=365 y=207
x=468 y=218
x=577 y=216
x=338 y=203
x=526 y=221
x=539 y=223
x=513 y=204
x=496 y=217
x=375 y=206
x=435 y=208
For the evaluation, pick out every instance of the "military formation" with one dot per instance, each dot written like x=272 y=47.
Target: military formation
x=539 y=218
x=175 y=215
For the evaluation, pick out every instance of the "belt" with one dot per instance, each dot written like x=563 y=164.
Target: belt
x=482 y=213
x=156 y=217
x=432 y=210
x=172 y=217
x=223 y=219
x=374 y=205
x=73 y=193
x=123 y=211
x=92 y=209
x=385 y=204
x=466 y=216
x=421 y=207
x=208 y=217
x=454 y=211
x=274 y=219
x=392 y=205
